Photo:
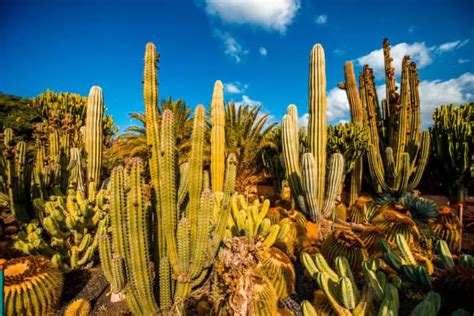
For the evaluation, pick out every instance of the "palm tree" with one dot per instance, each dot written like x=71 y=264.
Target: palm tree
x=247 y=132
x=133 y=141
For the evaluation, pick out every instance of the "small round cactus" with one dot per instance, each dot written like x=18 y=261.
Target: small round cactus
x=32 y=286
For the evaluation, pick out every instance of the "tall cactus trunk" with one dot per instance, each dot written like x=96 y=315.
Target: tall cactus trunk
x=317 y=119
x=357 y=115
x=217 y=138
x=94 y=139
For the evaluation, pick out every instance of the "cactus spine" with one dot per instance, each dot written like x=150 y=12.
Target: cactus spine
x=94 y=138
x=217 y=138
x=398 y=151
x=309 y=184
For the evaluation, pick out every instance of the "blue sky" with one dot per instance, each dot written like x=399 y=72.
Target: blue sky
x=259 y=49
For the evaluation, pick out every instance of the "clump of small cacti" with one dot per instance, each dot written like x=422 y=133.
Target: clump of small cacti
x=315 y=191
x=250 y=220
x=32 y=285
x=453 y=145
x=339 y=292
x=407 y=262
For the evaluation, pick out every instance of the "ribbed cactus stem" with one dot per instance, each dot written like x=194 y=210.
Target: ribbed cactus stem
x=139 y=238
x=150 y=95
x=317 y=118
x=167 y=191
x=195 y=169
x=94 y=136
x=217 y=138
x=357 y=115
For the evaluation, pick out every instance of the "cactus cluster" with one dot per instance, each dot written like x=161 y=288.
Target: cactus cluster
x=307 y=176
x=190 y=218
x=453 y=145
x=407 y=262
x=398 y=149
x=70 y=219
x=339 y=292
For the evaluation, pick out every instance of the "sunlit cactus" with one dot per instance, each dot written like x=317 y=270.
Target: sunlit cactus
x=32 y=286
x=307 y=178
x=94 y=138
x=398 y=150
x=344 y=243
x=278 y=268
x=79 y=307
x=357 y=115
x=339 y=292
x=217 y=137
x=447 y=226
x=394 y=223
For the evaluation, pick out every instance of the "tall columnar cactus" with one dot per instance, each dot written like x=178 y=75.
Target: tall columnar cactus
x=398 y=150
x=453 y=145
x=357 y=115
x=217 y=137
x=308 y=178
x=150 y=95
x=94 y=137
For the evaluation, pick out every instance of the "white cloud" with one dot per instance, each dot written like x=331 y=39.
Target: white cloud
x=419 y=53
x=463 y=61
x=262 y=51
x=321 y=19
x=268 y=14
x=232 y=47
x=337 y=108
x=246 y=100
x=450 y=46
x=438 y=92
x=339 y=52
x=235 y=87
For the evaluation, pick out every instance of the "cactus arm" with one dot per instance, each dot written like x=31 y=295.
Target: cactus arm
x=317 y=119
x=150 y=96
x=202 y=235
x=94 y=137
x=139 y=239
x=217 y=138
x=309 y=187
x=290 y=156
x=335 y=181
x=167 y=191
x=422 y=161
x=195 y=170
